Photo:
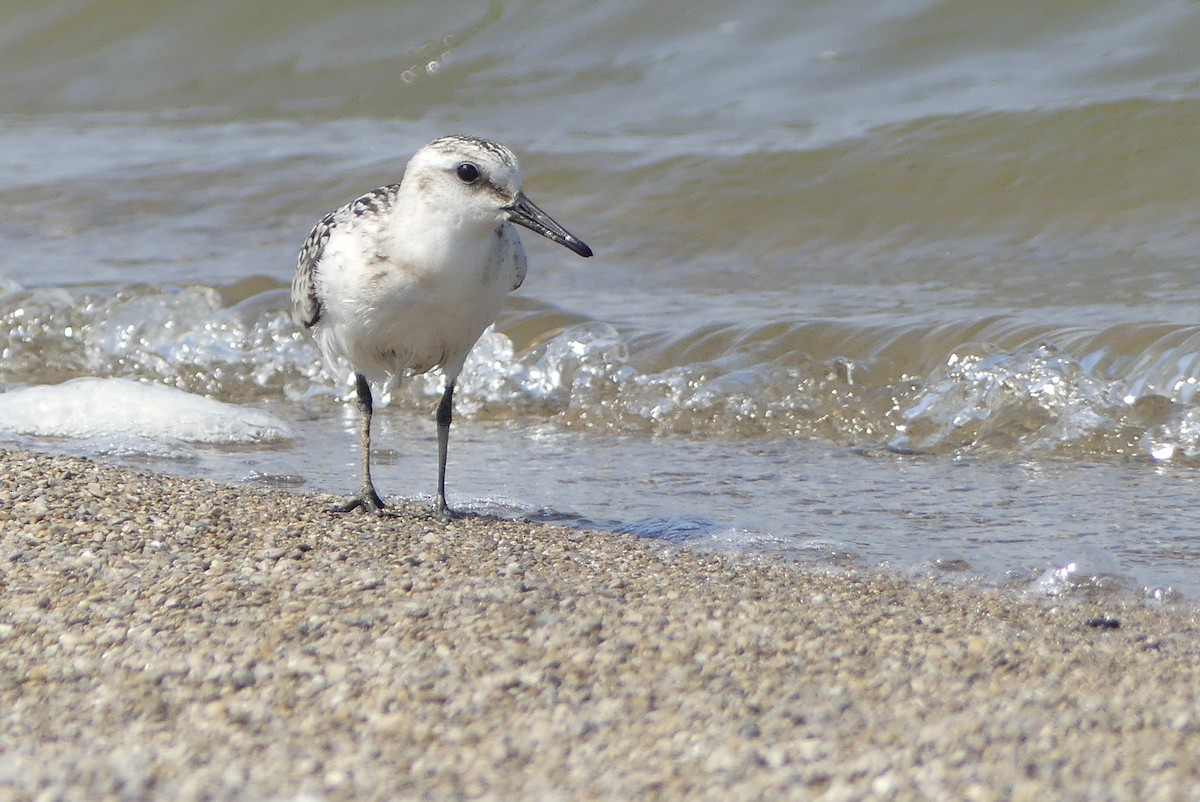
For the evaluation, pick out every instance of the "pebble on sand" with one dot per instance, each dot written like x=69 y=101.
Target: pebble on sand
x=161 y=636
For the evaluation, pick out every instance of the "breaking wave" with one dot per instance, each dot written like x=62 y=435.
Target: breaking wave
x=996 y=385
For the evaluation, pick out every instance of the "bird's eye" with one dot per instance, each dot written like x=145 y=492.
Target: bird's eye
x=468 y=173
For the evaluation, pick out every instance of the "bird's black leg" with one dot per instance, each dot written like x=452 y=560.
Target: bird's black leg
x=367 y=498
x=445 y=412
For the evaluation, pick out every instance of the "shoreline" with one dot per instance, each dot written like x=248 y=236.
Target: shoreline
x=176 y=638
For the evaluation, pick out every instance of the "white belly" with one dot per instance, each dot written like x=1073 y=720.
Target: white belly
x=389 y=318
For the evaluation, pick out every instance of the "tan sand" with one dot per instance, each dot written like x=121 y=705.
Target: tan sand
x=171 y=639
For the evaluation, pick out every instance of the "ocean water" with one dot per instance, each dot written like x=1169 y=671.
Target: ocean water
x=906 y=284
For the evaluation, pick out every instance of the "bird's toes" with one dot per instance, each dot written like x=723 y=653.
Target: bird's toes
x=444 y=514
x=369 y=502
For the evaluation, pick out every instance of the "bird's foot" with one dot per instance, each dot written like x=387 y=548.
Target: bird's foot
x=443 y=513
x=367 y=498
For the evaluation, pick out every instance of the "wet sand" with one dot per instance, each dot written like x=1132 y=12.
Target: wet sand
x=172 y=639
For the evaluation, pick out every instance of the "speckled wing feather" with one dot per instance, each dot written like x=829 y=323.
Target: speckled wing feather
x=306 y=306
x=306 y=302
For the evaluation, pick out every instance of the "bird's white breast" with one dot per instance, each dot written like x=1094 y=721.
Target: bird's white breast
x=400 y=301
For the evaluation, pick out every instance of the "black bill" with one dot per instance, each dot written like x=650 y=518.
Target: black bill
x=524 y=212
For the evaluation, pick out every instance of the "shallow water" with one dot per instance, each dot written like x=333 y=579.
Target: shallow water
x=908 y=284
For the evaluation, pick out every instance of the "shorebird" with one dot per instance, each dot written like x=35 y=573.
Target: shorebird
x=405 y=278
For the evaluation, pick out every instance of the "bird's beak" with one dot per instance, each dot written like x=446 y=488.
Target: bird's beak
x=524 y=212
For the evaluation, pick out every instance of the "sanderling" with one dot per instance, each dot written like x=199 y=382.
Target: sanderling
x=405 y=279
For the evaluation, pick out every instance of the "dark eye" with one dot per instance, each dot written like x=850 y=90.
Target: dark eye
x=468 y=173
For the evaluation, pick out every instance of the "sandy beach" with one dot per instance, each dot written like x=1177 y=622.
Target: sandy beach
x=173 y=639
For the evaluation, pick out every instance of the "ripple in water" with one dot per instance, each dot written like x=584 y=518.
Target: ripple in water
x=1032 y=399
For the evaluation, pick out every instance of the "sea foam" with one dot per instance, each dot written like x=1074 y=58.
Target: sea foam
x=90 y=407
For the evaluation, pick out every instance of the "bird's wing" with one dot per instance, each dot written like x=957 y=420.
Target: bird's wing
x=306 y=302
x=511 y=255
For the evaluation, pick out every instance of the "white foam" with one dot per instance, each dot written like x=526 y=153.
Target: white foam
x=92 y=407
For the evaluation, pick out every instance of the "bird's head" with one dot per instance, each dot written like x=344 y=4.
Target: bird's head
x=480 y=181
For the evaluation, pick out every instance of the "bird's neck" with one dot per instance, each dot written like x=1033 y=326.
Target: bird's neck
x=441 y=238
x=437 y=230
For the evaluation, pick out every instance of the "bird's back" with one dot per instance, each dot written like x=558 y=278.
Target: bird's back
x=306 y=299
